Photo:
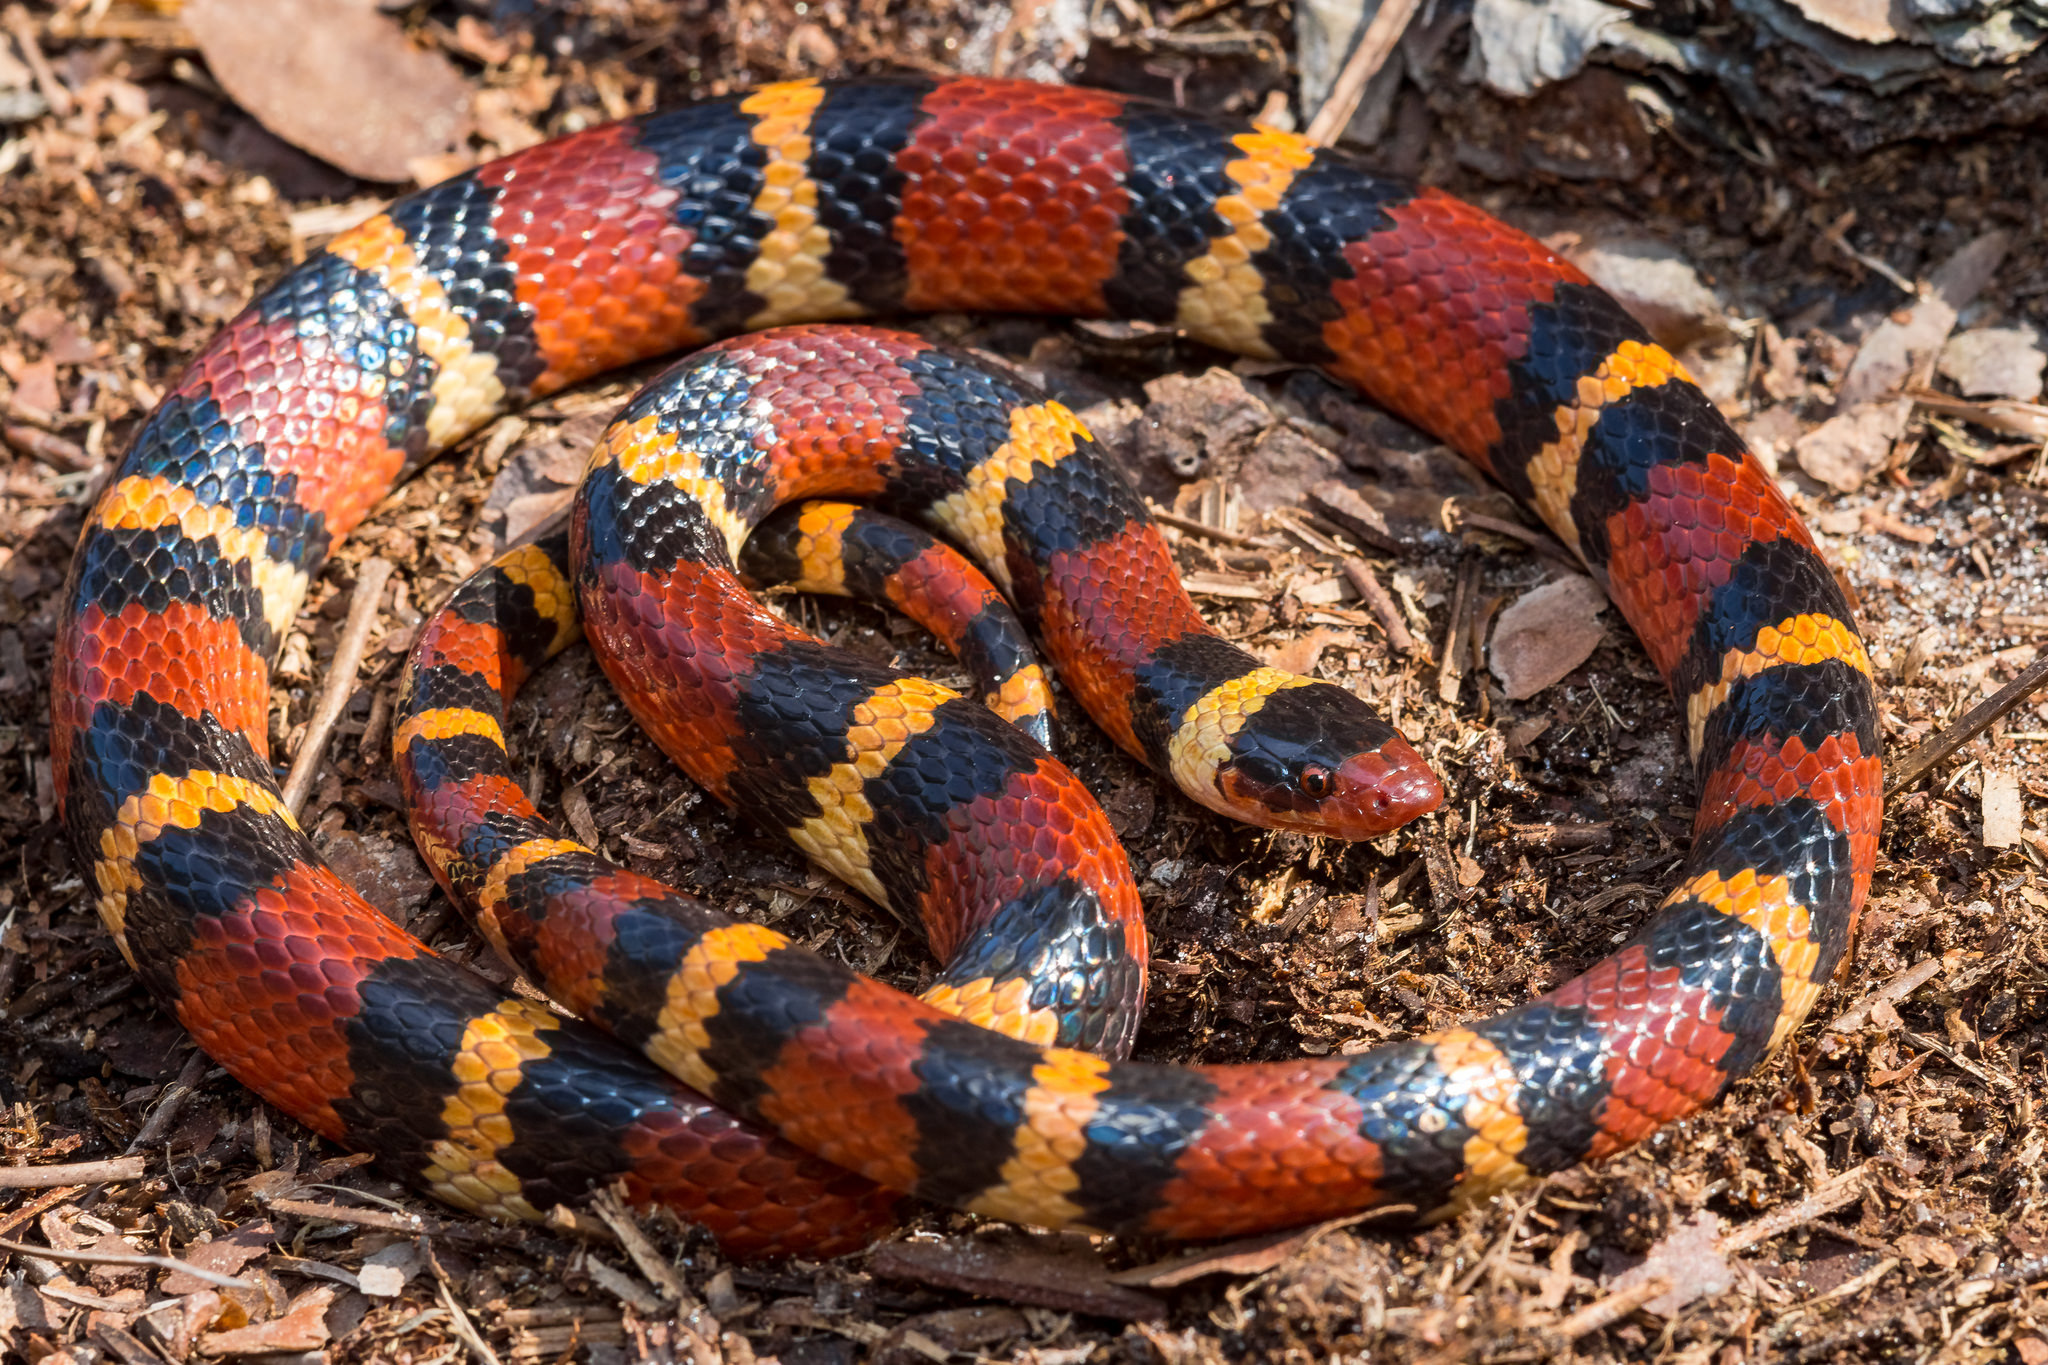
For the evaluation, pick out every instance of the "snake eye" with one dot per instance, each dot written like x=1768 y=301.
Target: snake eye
x=1316 y=781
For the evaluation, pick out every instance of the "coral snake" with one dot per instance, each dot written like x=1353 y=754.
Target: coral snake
x=802 y=1101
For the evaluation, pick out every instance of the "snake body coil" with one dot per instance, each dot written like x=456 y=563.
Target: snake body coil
x=808 y=202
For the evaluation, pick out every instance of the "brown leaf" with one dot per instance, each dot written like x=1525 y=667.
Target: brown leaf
x=1280 y=468
x=225 y=1255
x=36 y=386
x=1896 y=348
x=1925 y=1251
x=1545 y=634
x=302 y=1328
x=1299 y=655
x=1996 y=362
x=1843 y=452
x=1351 y=509
x=335 y=78
x=1688 y=1259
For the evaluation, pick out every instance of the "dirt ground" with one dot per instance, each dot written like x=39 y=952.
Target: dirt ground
x=1872 y=1192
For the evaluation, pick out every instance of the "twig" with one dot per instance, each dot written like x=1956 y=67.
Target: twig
x=338 y=1213
x=608 y=1206
x=75 y=1173
x=66 y=456
x=1826 y=1197
x=1554 y=836
x=1890 y=993
x=167 y=1109
x=1494 y=1252
x=53 y=90
x=465 y=1330
x=1975 y=722
x=1375 y=45
x=1960 y=1063
x=136 y=1258
x=1836 y=236
x=1612 y=1309
x=1848 y=1289
x=1202 y=528
x=37 y=1206
x=690 y=1313
x=1197 y=9
x=1542 y=544
x=2007 y=415
x=1384 y=608
x=622 y=1287
x=340 y=682
x=1450 y=674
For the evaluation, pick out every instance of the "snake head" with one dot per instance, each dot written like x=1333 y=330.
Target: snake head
x=1314 y=759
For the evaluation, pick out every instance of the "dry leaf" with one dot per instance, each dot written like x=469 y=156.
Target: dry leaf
x=339 y=80
x=1894 y=350
x=1299 y=655
x=302 y=1328
x=1843 y=452
x=1688 y=1258
x=1924 y=1251
x=1995 y=362
x=1545 y=634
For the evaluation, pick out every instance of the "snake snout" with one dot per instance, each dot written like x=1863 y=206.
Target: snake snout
x=1388 y=787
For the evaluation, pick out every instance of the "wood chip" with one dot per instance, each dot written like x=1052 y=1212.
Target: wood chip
x=2004 y=810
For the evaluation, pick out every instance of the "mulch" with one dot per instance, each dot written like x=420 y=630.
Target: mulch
x=1872 y=1191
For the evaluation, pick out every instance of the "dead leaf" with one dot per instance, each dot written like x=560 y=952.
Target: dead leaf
x=1280 y=468
x=1896 y=348
x=36 y=386
x=1688 y=1259
x=1925 y=1251
x=1843 y=452
x=1359 y=515
x=1545 y=634
x=1193 y=419
x=302 y=1328
x=1867 y=21
x=225 y=1255
x=1995 y=362
x=339 y=80
x=1300 y=654
x=1258 y=1254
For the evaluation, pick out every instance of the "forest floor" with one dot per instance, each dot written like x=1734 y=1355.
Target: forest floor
x=1873 y=1190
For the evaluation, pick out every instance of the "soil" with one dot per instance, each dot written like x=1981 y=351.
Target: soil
x=1872 y=1191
